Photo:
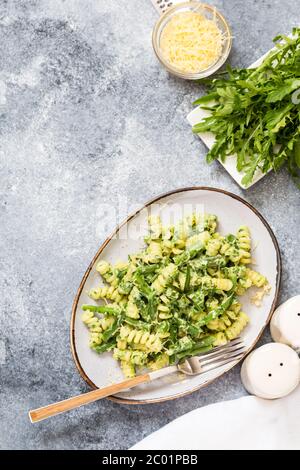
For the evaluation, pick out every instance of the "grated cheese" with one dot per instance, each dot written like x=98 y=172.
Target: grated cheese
x=256 y=299
x=190 y=42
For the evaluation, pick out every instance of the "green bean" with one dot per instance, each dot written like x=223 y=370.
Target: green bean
x=217 y=311
x=101 y=309
x=137 y=323
x=105 y=347
x=194 y=352
x=112 y=330
x=187 y=279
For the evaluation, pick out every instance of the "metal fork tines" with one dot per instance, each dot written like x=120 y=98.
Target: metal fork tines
x=218 y=357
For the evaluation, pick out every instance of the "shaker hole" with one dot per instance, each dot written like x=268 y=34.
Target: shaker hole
x=270 y=375
x=281 y=364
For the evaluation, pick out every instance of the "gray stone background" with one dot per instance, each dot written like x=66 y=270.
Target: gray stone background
x=88 y=116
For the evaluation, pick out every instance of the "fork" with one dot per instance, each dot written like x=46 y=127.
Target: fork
x=218 y=357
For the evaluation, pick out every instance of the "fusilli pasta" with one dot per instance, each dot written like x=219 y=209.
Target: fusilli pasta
x=176 y=298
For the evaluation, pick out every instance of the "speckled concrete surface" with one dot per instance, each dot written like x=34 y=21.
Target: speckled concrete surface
x=87 y=115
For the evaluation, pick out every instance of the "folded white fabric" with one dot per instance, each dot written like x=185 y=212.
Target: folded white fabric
x=246 y=423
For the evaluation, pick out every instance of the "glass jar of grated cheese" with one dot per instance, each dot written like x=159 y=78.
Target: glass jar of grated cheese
x=192 y=40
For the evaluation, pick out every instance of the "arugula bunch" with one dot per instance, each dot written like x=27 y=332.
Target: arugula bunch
x=255 y=114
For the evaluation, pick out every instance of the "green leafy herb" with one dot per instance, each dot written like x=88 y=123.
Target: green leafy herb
x=254 y=115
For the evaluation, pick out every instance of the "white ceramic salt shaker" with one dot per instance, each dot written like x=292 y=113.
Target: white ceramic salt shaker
x=285 y=323
x=271 y=371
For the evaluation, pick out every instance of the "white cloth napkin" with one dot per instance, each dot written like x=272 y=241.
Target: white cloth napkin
x=246 y=423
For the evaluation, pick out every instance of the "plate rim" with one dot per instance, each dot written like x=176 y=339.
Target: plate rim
x=128 y=401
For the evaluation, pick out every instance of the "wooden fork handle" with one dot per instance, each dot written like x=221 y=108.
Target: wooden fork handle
x=84 y=399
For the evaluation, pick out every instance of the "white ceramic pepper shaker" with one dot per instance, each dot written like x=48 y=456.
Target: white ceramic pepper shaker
x=285 y=323
x=271 y=371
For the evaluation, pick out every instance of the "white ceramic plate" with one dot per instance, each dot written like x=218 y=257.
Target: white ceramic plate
x=232 y=211
x=198 y=114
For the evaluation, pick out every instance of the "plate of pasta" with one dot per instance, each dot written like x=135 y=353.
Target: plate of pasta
x=191 y=270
